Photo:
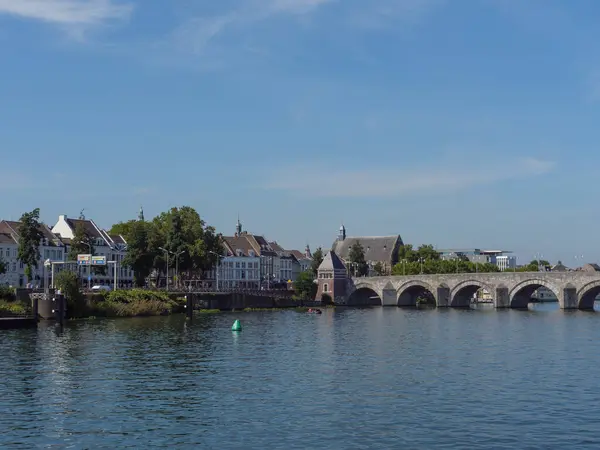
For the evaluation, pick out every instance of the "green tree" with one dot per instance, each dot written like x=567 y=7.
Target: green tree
x=30 y=236
x=379 y=269
x=317 y=259
x=182 y=230
x=68 y=283
x=140 y=256
x=305 y=286
x=123 y=229
x=428 y=252
x=407 y=253
x=356 y=256
x=81 y=244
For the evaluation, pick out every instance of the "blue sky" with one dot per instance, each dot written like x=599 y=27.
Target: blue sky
x=459 y=123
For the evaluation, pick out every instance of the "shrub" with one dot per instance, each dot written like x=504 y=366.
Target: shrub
x=12 y=309
x=7 y=293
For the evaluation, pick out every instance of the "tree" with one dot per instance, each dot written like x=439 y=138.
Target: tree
x=140 y=256
x=407 y=253
x=30 y=236
x=379 y=269
x=428 y=252
x=81 y=244
x=123 y=229
x=356 y=256
x=317 y=259
x=305 y=285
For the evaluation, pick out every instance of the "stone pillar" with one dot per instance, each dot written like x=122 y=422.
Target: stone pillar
x=442 y=297
x=502 y=298
x=570 y=300
x=388 y=297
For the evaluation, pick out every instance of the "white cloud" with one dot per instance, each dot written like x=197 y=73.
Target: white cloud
x=387 y=181
x=67 y=12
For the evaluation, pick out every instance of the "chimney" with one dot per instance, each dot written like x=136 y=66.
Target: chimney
x=62 y=217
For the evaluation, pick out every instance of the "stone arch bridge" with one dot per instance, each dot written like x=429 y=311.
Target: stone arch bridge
x=574 y=290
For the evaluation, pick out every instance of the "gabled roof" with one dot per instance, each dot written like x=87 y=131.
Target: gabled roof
x=332 y=262
x=90 y=228
x=11 y=227
x=234 y=243
x=298 y=254
x=376 y=248
x=6 y=238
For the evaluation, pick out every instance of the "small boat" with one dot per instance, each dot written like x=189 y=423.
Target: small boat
x=314 y=311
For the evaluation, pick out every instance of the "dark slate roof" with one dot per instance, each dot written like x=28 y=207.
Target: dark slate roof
x=377 y=248
x=6 y=238
x=88 y=226
x=118 y=239
x=260 y=245
x=234 y=243
x=332 y=262
x=275 y=246
x=298 y=254
x=12 y=227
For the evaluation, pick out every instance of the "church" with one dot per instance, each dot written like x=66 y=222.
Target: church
x=378 y=249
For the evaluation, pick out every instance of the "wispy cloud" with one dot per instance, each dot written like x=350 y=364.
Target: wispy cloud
x=388 y=181
x=73 y=15
x=384 y=13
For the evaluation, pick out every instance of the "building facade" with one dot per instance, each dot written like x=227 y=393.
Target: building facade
x=331 y=278
x=51 y=249
x=114 y=248
x=377 y=249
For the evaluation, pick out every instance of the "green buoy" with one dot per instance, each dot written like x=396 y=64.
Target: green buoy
x=237 y=326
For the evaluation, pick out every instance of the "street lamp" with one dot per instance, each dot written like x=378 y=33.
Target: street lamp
x=421 y=261
x=167 y=253
x=218 y=266
x=403 y=267
x=177 y=255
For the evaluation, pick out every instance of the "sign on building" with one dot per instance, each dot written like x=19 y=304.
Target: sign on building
x=84 y=260
x=98 y=260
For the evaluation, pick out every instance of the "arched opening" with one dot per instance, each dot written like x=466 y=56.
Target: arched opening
x=535 y=292
x=469 y=293
x=416 y=295
x=326 y=299
x=587 y=295
x=364 y=297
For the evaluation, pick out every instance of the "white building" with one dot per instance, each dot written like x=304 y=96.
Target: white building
x=240 y=265
x=505 y=262
x=114 y=248
x=51 y=248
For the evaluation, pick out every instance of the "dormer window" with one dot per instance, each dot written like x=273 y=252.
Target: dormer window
x=251 y=253
x=238 y=252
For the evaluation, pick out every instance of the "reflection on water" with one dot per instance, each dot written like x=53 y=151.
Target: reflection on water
x=350 y=378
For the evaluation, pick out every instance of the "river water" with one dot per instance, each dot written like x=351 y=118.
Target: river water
x=348 y=379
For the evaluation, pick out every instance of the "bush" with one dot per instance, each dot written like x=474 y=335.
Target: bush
x=135 y=295
x=12 y=309
x=140 y=308
x=7 y=293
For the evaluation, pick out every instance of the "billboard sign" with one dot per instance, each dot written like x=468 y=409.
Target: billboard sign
x=98 y=260
x=84 y=260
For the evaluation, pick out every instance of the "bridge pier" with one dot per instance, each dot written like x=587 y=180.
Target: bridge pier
x=570 y=299
x=443 y=297
x=502 y=297
x=388 y=297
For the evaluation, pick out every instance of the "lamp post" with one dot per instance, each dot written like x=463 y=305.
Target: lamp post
x=177 y=255
x=421 y=261
x=218 y=268
x=404 y=267
x=167 y=253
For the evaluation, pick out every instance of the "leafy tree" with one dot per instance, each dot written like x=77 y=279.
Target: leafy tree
x=140 y=256
x=305 y=285
x=428 y=252
x=68 y=283
x=81 y=244
x=123 y=229
x=442 y=266
x=317 y=259
x=30 y=235
x=407 y=253
x=182 y=229
x=356 y=256
x=379 y=269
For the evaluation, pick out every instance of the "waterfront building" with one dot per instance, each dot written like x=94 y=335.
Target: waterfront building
x=304 y=261
x=114 y=248
x=288 y=264
x=505 y=262
x=51 y=249
x=331 y=278
x=476 y=255
x=377 y=249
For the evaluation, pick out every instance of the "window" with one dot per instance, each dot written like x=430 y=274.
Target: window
x=237 y=265
x=325 y=287
x=243 y=265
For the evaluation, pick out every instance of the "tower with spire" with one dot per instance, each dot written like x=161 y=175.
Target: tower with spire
x=342 y=233
x=307 y=252
x=238 y=227
x=141 y=214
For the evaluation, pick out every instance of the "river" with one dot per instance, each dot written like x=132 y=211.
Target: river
x=348 y=379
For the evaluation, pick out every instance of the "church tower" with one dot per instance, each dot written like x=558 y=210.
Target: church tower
x=342 y=233
x=238 y=227
x=141 y=214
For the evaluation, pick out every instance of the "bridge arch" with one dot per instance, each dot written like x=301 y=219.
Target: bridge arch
x=364 y=294
x=462 y=293
x=409 y=292
x=520 y=294
x=587 y=295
